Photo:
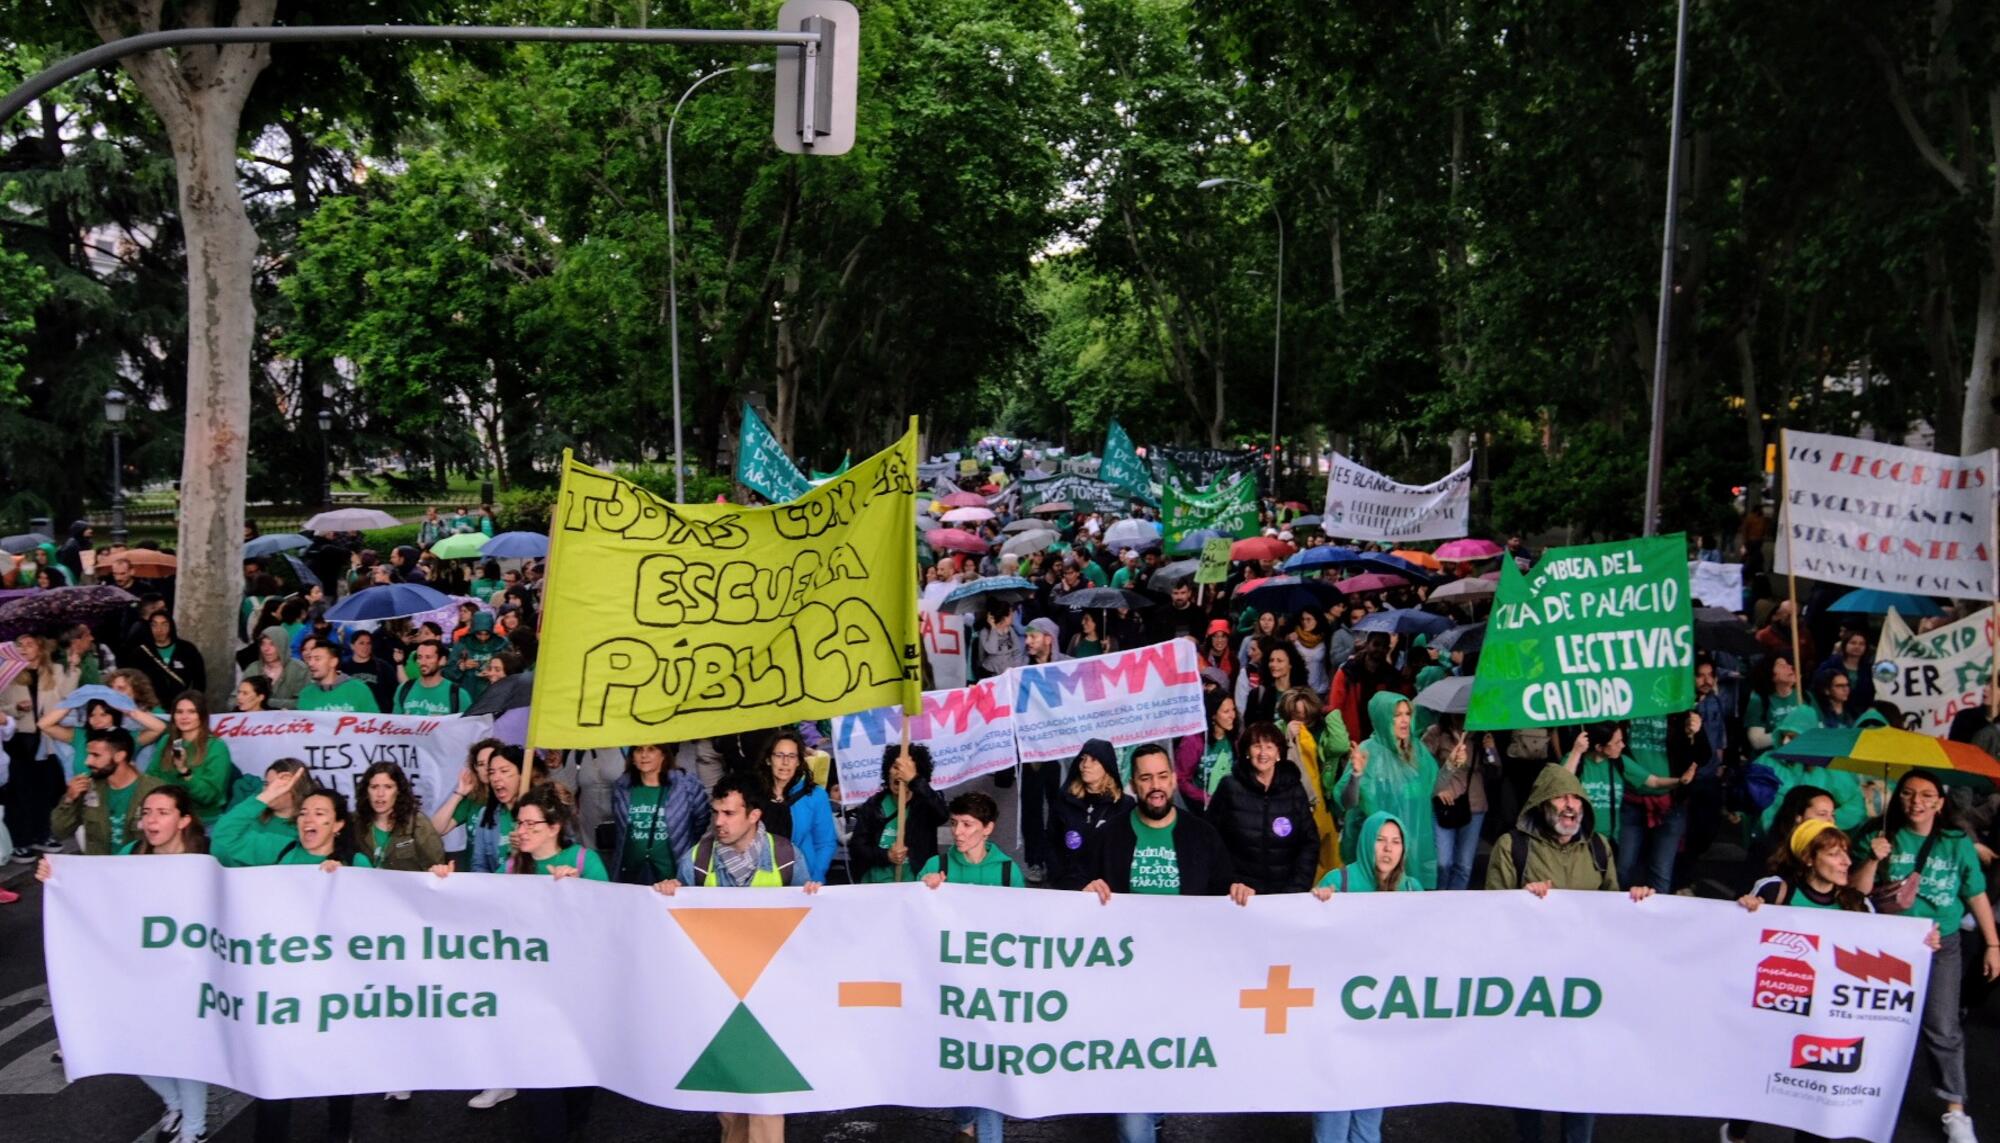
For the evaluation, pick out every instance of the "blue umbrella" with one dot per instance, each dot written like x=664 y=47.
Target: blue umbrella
x=1320 y=557
x=993 y=588
x=516 y=546
x=387 y=601
x=1288 y=595
x=1191 y=543
x=272 y=545
x=1868 y=601
x=305 y=574
x=1405 y=621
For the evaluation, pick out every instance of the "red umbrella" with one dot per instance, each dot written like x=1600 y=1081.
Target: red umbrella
x=955 y=540
x=1253 y=584
x=1373 y=581
x=1260 y=548
x=964 y=500
x=1465 y=551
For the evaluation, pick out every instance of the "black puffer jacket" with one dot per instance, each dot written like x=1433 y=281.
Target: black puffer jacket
x=1079 y=821
x=1272 y=841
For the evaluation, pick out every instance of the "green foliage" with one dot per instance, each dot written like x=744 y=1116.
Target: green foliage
x=525 y=509
x=383 y=539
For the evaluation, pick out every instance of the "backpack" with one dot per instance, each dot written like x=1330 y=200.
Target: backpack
x=1760 y=785
x=1517 y=847
x=451 y=689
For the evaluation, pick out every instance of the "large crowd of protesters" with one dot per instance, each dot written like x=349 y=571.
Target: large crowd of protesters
x=1318 y=772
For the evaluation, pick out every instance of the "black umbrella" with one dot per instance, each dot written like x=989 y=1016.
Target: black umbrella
x=1719 y=630
x=1174 y=574
x=1092 y=598
x=1468 y=638
x=58 y=607
x=510 y=693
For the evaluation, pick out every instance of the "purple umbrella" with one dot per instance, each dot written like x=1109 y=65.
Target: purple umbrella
x=49 y=611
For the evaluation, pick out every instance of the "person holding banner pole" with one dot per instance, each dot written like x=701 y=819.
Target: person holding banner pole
x=884 y=846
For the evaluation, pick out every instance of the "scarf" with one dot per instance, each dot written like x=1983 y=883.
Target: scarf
x=734 y=868
x=1308 y=639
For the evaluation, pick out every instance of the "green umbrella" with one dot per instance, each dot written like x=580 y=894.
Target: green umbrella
x=461 y=546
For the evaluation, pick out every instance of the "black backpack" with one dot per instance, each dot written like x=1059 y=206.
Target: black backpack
x=1517 y=848
x=451 y=688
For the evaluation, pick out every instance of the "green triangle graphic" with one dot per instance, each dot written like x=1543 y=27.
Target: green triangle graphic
x=744 y=1060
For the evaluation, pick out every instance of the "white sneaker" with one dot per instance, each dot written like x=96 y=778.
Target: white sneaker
x=397 y=1096
x=1722 y=1133
x=496 y=1095
x=170 y=1126
x=1958 y=1128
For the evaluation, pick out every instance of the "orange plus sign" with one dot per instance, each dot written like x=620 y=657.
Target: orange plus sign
x=1277 y=998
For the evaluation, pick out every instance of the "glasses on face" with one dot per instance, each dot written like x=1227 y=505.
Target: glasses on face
x=527 y=823
x=785 y=756
x=1921 y=797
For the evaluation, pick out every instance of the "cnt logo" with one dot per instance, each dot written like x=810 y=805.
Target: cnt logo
x=1785 y=976
x=1826 y=1054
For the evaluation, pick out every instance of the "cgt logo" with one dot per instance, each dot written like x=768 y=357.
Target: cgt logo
x=1826 y=1054
x=1785 y=977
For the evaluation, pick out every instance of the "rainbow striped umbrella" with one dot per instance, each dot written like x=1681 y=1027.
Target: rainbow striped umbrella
x=1881 y=751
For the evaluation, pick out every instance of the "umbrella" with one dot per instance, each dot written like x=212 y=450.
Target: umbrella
x=1320 y=557
x=967 y=516
x=1052 y=508
x=962 y=500
x=147 y=563
x=512 y=727
x=927 y=522
x=1465 y=590
x=1028 y=543
x=1468 y=638
x=1868 y=601
x=81 y=697
x=60 y=607
x=516 y=546
x=1372 y=581
x=1191 y=543
x=1288 y=595
x=1719 y=630
x=1887 y=752
x=991 y=589
x=955 y=540
x=25 y=542
x=291 y=566
x=1306 y=522
x=1423 y=560
x=1090 y=598
x=462 y=546
x=1467 y=551
x=387 y=601
x=351 y=520
x=1174 y=574
x=510 y=693
x=264 y=546
x=1131 y=534
x=1395 y=565
x=1449 y=695
x=1016 y=527
x=12 y=663
x=1260 y=548
x=1405 y=621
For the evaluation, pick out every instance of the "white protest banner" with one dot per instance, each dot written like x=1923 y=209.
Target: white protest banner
x=289 y=982
x=1716 y=585
x=1126 y=698
x=1363 y=504
x=337 y=747
x=968 y=730
x=1868 y=514
x=943 y=635
x=1933 y=676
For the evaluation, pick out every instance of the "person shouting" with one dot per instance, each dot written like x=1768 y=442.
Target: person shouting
x=1394 y=772
x=105 y=799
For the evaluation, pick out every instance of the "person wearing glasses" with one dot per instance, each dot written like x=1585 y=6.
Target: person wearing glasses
x=795 y=806
x=543 y=821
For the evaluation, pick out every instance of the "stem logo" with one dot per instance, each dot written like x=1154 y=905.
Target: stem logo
x=742 y=1059
x=1826 y=1054
x=1871 y=966
x=1885 y=991
x=1785 y=977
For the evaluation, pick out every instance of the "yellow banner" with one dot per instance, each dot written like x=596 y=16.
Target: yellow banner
x=668 y=622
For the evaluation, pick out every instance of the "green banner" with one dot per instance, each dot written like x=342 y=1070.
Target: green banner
x=761 y=463
x=819 y=477
x=1230 y=508
x=1121 y=467
x=1599 y=632
x=1214 y=566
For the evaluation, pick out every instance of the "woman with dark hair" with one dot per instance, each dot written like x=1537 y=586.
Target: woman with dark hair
x=393 y=833
x=1265 y=816
x=797 y=808
x=1201 y=760
x=544 y=838
x=271 y=820
x=1091 y=638
x=1833 y=695
x=1217 y=649
x=1281 y=672
x=1092 y=797
x=1922 y=863
x=98 y=716
x=1774 y=693
x=658 y=812
x=489 y=583
x=253 y=694
x=483 y=802
x=194 y=759
x=1852 y=658
x=881 y=848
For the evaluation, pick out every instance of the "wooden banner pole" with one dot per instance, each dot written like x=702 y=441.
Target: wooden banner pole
x=903 y=800
x=1784 y=533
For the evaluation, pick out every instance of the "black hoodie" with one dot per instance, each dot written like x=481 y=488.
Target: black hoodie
x=1080 y=820
x=1272 y=839
x=174 y=668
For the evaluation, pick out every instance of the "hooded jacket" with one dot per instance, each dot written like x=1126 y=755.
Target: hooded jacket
x=71 y=555
x=292 y=677
x=1079 y=820
x=95 y=821
x=1360 y=876
x=1401 y=788
x=1272 y=839
x=1571 y=865
x=478 y=645
x=1850 y=806
x=172 y=669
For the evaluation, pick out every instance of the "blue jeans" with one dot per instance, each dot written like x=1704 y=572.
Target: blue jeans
x=1646 y=857
x=1455 y=849
x=1354 y=1126
x=1576 y=1126
x=1138 y=1126
x=189 y=1097
x=987 y=1126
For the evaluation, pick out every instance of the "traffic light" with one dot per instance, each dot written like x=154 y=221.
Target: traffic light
x=816 y=82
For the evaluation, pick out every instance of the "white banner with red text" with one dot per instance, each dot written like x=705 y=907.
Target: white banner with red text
x=969 y=732
x=1931 y=677
x=292 y=982
x=337 y=748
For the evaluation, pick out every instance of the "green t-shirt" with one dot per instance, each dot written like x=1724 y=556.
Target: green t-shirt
x=207 y=780
x=348 y=696
x=586 y=862
x=467 y=812
x=486 y=589
x=119 y=803
x=883 y=874
x=1094 y=574
x=1646 y=754
x=1604 y=789
x=416 y=698
x=1156 y=867
x=649 y=855
x=993 y=868
x=1951 y=873
x=1122 y=577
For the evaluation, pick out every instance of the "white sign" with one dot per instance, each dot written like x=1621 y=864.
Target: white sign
x=969 y=732
x=1877 y=515
x=338 y=747
x=288 y=982
x=943 y=636
x=1716 y=585
x=1141 y=695
x=1933 y=676
x=1363 y=504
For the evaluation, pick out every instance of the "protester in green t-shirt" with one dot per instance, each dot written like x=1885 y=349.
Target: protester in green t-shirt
x=194 y=759
x=972 y=860
x=1597 y=758
x=542 y=841
x=430 y=692
x=330 y=690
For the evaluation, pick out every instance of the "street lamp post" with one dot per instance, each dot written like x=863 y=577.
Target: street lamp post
x=325 y=463
x=114 y=415
x=1278 y=326
x=673 y=273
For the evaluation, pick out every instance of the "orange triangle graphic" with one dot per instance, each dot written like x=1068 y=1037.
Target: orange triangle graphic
x=739 y=943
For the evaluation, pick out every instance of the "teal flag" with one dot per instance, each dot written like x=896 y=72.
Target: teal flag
x=761 y=463
x=1228 y=507
x=1121 y=467
x=1596 y=633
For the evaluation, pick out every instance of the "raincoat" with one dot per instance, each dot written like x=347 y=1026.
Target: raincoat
x=1850 y=806
x=1400 y=787
x=1360 y=876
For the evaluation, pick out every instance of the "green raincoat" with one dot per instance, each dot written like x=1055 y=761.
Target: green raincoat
x=1394 y=786
x=1359 y=876
x=1850 y=808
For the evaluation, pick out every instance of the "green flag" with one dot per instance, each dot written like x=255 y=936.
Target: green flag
x=761 y=463
x=1229 y=508
x=1121 y=467
x=1595 y=633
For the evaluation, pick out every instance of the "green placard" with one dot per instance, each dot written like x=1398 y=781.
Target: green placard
x=1214 y=566
x=1599 y=632
x=761 y=463
x=1121 y=467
